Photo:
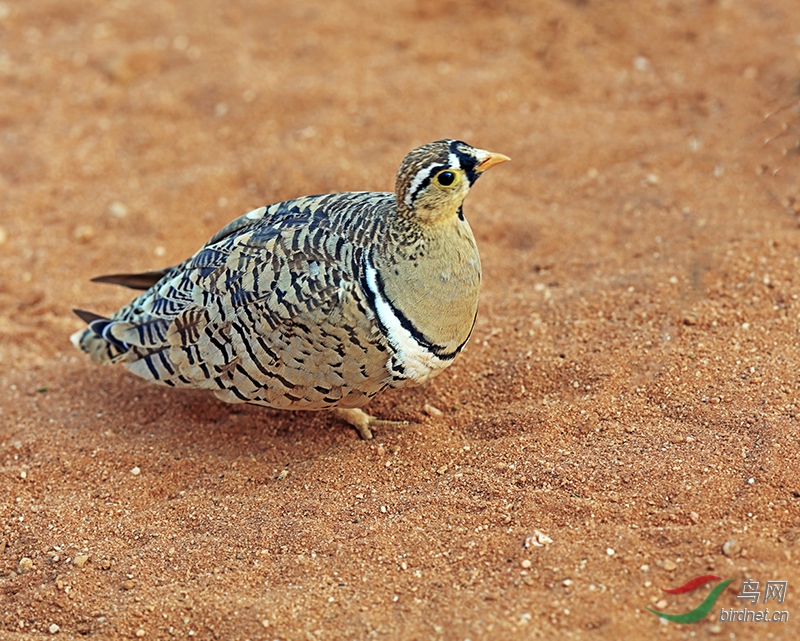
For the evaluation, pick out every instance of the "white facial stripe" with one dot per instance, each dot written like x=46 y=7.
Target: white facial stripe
x=420 y=363
x=481 y=155
x=422 y=174
x=454 y=162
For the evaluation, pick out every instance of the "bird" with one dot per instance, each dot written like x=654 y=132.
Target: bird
x=319 y=302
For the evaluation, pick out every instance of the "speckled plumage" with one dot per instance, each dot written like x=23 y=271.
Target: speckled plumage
x=313 y=303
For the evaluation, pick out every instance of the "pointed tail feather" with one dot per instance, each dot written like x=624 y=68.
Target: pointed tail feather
x=144 y=280
x=87 y=317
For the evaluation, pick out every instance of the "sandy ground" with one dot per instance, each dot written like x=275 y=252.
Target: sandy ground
x=631 y=390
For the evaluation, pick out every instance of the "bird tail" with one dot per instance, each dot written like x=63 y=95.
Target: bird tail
x=100 y=339
x=142 y=347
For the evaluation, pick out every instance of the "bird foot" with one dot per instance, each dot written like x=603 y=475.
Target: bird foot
x=363 y=422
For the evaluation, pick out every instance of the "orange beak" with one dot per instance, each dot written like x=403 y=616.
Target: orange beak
x=490 y=159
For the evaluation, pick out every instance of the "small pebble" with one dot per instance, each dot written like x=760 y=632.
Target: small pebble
x=536 y=540
x=670 y=565
x=80 y=560
x=526 y=563
x=118 y=209
x=435 y=412
x=105 y=564
x=610 y=551
x=140 y=633
x=128 y=585
x=662 y=604
x=731 y=548
x=441 y=470
x=265 y=622
x=25 y=565
x=3 y=235
x=694 y=516
x=83 y=233
x=136 y=471
x=54 y=628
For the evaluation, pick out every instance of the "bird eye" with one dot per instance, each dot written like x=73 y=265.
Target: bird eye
x=446 y=178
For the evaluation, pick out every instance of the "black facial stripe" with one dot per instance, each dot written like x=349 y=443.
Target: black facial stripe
x=467 y=161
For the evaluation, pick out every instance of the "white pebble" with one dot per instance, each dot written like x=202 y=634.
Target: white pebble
x=610 y=551
x=118 y=209
x=83 y=233
x=54 y=628
x=433 y=411
x=136 y=471
x=537 y=539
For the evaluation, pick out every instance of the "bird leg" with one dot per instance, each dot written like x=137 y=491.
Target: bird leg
x=362 y=421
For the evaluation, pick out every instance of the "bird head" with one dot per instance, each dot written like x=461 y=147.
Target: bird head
x=434 y=179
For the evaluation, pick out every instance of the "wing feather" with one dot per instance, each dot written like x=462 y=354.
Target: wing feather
x=228 y=312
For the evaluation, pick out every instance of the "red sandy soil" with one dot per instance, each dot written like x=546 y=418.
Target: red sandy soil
x=631 y=389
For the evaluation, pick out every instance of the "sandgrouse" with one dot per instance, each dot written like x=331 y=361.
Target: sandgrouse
x=319 y=302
